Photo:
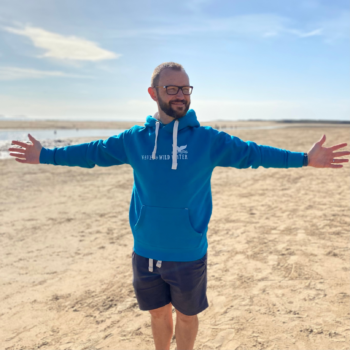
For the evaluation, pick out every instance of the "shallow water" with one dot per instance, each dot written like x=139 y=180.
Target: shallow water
x=50 y=137
x=51 y=134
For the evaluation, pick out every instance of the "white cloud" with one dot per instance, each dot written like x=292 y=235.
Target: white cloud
x=14 y=73
x=64 y=47
x=301 y=34
x=312 y=33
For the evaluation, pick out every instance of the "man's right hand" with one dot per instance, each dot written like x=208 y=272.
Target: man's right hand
x=28 y=153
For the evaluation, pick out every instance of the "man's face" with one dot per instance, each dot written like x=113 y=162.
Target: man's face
x=175 y=106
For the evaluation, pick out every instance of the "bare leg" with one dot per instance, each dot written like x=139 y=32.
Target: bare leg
x=186 y=329
x=162 y=326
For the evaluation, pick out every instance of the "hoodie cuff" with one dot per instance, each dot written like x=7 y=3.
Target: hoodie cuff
x=295 y=159
x=47 y=156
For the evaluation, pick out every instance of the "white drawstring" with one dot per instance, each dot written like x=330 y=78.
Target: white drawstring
x=175 y=130
x=176 y=125
x=150 y=264
x=155 y=142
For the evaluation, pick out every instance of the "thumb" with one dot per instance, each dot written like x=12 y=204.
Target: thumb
x=31 y=138
x=322 y=140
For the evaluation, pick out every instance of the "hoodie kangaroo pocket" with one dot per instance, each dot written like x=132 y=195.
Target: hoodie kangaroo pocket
x=166 y=228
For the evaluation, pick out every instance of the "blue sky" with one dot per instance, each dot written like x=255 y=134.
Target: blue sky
x=246 y=59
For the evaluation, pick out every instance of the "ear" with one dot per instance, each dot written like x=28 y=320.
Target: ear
x=152 y=93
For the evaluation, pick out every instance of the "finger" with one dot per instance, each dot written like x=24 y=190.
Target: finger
x=340 y=154
x=322 y=140
x=19 y=155
x=341 y=145
x=19 y=150
x=31 y=138
x=340 y=160
x=21 y=160
x=19 y=143
x=335 y=166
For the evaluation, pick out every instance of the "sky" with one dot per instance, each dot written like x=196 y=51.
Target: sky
x=256 y=59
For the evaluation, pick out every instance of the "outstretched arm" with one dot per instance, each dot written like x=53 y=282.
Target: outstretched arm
x=230 y=151
x=323 y=157
x=86 y=155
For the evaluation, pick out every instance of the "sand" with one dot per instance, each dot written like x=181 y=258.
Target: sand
x=278 y=258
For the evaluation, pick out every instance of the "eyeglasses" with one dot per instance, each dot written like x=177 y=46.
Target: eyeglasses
x=173 y=89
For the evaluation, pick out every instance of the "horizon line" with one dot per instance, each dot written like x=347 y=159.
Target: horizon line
x=326 y=121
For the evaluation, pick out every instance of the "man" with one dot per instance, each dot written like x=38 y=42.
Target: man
x=173 y=158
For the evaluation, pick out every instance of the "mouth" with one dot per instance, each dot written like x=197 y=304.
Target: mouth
x=178 y=103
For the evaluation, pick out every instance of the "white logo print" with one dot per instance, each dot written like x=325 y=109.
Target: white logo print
x=181 y=154
x=181 y=149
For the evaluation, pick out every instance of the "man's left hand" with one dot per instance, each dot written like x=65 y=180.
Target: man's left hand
x=323 y=157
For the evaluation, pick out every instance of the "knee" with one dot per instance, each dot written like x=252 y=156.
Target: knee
x=162 y=312
x=184 y=318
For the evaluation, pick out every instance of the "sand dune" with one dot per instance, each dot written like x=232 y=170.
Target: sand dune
x=278 y=258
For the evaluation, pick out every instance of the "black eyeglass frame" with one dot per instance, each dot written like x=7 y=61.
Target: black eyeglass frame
x=178 y=88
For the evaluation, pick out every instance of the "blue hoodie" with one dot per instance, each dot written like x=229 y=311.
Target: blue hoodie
x=171 y=202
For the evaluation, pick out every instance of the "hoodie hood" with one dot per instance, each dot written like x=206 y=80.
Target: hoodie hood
x=189 y=119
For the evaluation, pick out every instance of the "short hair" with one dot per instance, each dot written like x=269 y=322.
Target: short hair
x=161 y=67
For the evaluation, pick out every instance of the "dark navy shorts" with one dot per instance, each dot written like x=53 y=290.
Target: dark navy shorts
x=183 y=283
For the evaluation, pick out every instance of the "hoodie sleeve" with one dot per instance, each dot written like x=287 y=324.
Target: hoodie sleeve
x=227 y=150
x=86 y=155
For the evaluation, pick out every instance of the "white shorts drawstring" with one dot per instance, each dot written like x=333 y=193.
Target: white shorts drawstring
x=150 y=264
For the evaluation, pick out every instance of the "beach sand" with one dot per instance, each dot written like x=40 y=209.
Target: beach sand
x=278 y=257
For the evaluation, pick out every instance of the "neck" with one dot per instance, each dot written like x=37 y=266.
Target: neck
x=164 y=118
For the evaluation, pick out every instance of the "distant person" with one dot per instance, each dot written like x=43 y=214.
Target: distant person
x=173 y=159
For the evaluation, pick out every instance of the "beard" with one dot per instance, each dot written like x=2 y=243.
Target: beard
x=171 y=111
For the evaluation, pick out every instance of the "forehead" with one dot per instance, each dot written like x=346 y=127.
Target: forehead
x=173 y=77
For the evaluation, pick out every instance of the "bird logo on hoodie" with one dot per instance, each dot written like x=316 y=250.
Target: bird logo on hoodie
x=181 y=149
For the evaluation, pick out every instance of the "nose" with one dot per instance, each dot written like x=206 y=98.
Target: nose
x=180 y=93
